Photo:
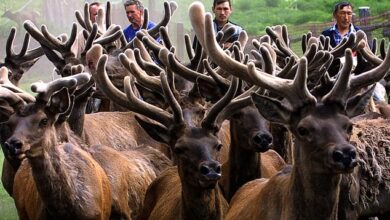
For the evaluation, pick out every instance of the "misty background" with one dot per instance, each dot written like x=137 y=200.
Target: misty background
x=59 y=15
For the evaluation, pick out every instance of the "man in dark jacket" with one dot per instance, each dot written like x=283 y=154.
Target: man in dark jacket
x=343 y=27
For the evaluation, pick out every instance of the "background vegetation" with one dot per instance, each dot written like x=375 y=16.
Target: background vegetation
x=253 y=15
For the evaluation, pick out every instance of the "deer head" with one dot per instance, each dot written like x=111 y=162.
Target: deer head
x=33 y=125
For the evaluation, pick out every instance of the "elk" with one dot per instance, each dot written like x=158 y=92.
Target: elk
x=70 y=183
x=319 y=160
x=138 y=165
x=195 y=150
x=250 y=156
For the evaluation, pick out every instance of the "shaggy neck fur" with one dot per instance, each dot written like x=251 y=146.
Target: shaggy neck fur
x=52 y=179
x=200 y=203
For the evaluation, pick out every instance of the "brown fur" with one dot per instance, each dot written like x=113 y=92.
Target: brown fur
x=165 y=203
x=249 y=136
x=367 y=189
x=130 y=174
x=68 y=181
x=118 y=130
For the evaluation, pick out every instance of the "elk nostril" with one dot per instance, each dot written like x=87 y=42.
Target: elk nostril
x=204 y=170
x=218 y=169
x=262 y=139
x=352 y=154
x=337 y=156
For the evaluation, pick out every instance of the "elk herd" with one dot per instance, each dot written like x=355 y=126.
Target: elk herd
x=220 y=135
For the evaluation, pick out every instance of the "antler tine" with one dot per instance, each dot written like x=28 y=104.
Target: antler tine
x=338 y=94
x=145 y=108
x=216 y=77
x=295 y=91
x=279 y=35
x=108 y=14
x=110 y=36
x=24 y=55
x=176 y=109
x=150 y=67
x=88 y=22
x=204 y=31
x=268 y=64
x=209 y=121
x=36 y=34
x=165 y=38
x=227 y=30
x=243 y=39
x=62 y=47
x=144 y=53
x=140 y=75
x=10 y=41
x=374 y=45
x=168 y=59
x=45 y=90
x=284 y=73
x=6 y=83
x=106 y=86
x=382 y=48
x=369 y=56
x=80 y=19
x=187 y=41
x=338 y=51
x=371 y=76
x=236 y=104
x=164 y=22
x=90 y=39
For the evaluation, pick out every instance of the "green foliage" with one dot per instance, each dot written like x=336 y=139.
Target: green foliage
x=7 y=207
x=272 y=3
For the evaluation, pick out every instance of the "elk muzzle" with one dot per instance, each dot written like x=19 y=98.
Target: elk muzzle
x=14 y=147
x=344 y=157
x=210 y=172
x=261 y=142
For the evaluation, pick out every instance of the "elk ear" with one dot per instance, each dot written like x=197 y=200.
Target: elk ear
x=156 y=131
x=271 y=109
x=60 y=101
x=356 y=104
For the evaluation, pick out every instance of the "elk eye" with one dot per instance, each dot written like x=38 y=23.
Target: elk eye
x=43 y=122
x=218 y=147
x=303 y=131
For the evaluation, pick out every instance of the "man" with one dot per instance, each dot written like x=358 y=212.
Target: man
x=79 y=45
x=343 y=27
x=222 y=10
x=134 y=12
x=93 y=11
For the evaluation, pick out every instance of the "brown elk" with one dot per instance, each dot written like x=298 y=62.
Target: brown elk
x=321 y=154
x=195 y=150
x=70 y=183
x=138 y=165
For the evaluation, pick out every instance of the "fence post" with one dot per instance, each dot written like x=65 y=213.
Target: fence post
x=180 y=40
x=364 y=13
